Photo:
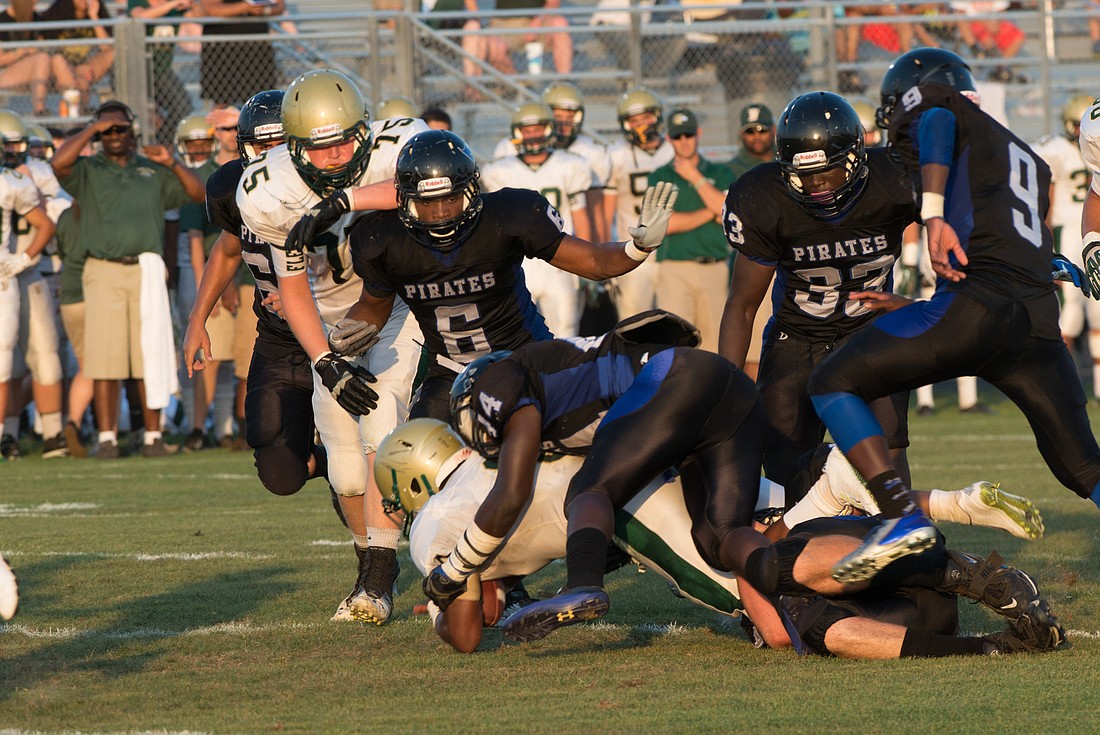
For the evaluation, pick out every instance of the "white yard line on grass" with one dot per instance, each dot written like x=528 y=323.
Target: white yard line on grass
x=201 y=556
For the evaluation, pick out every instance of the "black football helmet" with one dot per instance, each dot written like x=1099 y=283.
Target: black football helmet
x=431 y=165
x=463 y=419
x=923 y=66
x=260 y=121
x=820 y=135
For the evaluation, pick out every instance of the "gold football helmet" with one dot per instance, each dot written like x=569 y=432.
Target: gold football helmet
x=323 y=108
x=13 y=134
x=865 y=108
x=1072 y=113
x=635 y=102
x=413 y=462
x=396 y=107
x=191 y=128
x=532 y=113
x=40 y=142
x=565 y=96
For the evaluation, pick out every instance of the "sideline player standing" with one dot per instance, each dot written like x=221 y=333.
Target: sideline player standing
x=994 y=314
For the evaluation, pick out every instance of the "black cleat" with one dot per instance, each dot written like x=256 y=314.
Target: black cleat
x=1035 y=631
x=372 y=599
x=568 y=607
x=9 y=447
x=1003 y=589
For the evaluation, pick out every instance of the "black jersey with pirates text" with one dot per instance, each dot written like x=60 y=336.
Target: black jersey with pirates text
x=274 y=336
x=818 y=262
x=997 y=198
x=473 y=299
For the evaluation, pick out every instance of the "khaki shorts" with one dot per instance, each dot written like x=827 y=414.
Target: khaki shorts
x=112 y=324
x=72 y=318
x=220 y=328
x=513 y=41
x=244 y=333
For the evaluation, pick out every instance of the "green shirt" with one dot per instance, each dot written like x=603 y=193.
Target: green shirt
x=122 y=207
x=71 y=250
x=193 y=214
x=742 y=162
x=707 y=240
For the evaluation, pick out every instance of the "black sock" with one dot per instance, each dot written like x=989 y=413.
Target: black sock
x=585 y=558
x=933 y=645
x=891 y=493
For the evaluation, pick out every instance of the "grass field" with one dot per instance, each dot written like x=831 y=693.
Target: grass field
x=176 y=595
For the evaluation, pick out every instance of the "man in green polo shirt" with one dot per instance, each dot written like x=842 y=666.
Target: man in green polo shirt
x=757 y=138
x=692 y=269
x=122 y=198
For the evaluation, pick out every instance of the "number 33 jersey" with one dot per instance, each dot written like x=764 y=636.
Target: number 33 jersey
x=819 y=262
x=473 y=299
x=272 y=197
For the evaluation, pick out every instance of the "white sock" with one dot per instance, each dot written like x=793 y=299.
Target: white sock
x=943 y=505
x=51 y=424
x=385 y=538
x=108 y=436
x=151 y=437
x=360 y=541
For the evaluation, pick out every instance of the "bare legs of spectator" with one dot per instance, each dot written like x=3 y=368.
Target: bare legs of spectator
x=30 y=71
x=82 y=77
x=559 y=42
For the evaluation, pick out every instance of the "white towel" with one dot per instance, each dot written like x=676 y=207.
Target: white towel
x=158 y=345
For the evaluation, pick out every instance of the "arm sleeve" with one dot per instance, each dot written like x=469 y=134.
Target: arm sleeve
x=936 y=137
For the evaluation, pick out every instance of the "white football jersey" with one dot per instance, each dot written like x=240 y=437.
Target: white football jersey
x=1090 y=143
x=563 y=179
x=630 y=170
x=56 y=201
x=599 y=162
x=1070 y=179
x=272 y=197
x=18 y=195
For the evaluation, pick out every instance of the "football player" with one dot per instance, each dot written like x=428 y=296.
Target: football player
x=9 y=591
x=562 y=178
x=453 y=255
x=27 y=230
x=828 y=216
x=644 y=149
x=424 y=468
x=331 y=147
x=399 y=107
x=567 y=104
x=279 y=400
x=1089 y=141
x=994 y=313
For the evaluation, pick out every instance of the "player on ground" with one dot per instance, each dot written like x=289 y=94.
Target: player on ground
x=562 y=178
x=332 y=147
x=828 y=216
x=994 y=314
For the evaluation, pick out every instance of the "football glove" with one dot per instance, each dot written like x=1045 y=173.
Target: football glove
x=1063 y=270
x=13 y=266
x=352 y=337
x=441 y=589
x=1090 y=255
x=652 y=225
x=348 y=383
x=319 y=219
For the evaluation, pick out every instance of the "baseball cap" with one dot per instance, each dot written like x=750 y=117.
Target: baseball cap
x=682 y=121
x=756 y=114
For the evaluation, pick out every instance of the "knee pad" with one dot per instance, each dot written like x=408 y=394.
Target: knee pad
x=771 y=569
x=812 y=617
x=280 y=470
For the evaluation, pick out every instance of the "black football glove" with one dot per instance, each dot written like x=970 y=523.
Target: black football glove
x=1064 y=270
x=348 y=383
x=441 y=589
x=320 y=218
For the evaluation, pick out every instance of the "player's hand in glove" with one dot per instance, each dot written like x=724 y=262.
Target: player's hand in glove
x=319 y=219
x=1090 y=255
x=1063 y=270
x=348 y=383
x=352 y=337
x=441 y=589
x=656 y=210
x=13 y=266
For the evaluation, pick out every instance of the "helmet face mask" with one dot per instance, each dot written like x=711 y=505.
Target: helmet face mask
x=538 y=119
x=414 y=461
x=923 y=66
x=567 y=105
x=641 y=117
x=463 y=418
x=15 y=139
x=1074 y=109
x=195 y=142
x=819 y=146
x=260 y=124
x=322 y=109
x=39 y=143
x=438 y=195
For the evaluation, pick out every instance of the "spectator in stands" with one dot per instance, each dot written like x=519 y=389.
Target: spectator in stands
x=25 y=67
x=692 y=268
x=168 y=91
x=122 y=197
x=235 y=70
x=547 y=29
x=990 y=37
x=78 y=67
x=437 y=118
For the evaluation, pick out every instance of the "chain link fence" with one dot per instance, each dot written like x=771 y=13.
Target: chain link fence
x=713 y=57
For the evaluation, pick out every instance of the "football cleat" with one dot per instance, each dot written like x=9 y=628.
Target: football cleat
x=9 y=447
x=1003 y=589
x=1036 y=630
x=55 y=448
x=568 y=607
x=988 y=505
x=74 y=441
x=890 y=540
x=108 y=450
x=9 y=591
x=343 y=612
x=516 y=599
x=372 y=599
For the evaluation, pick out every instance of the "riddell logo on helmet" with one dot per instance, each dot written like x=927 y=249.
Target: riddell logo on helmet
x=325 y=131
x=808 y=159
x=440 y=183
x=269 y=129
